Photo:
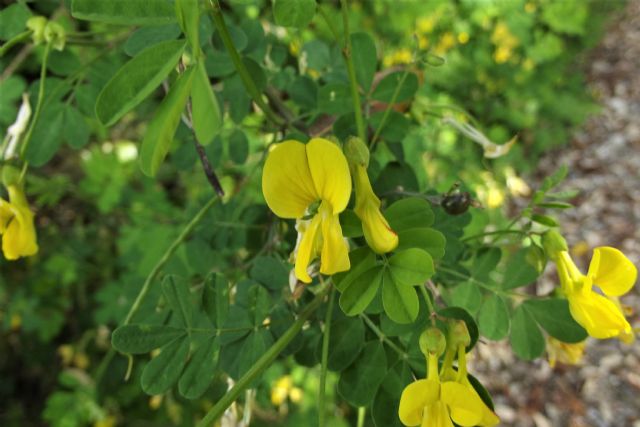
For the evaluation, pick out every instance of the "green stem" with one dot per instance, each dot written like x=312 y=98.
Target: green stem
x=36 y=114
x=387 y=111
x=152 y=276
x=247 y=80
x=427 y=300
x=362 y=410
x=492 y=233
x=13 y=41
x=322 y=413
x=353 y=82
x=263 y=363
x=403 y=354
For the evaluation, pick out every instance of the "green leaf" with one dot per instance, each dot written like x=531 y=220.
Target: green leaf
x=75 y=130
x=519 y=271
x=359 y=383
x=365 y=58
x=466 y=295
x=461 y=314
x=136 y=79
x=140 y=339
x=554 y=316
x=215 y=299
x=238 y=147
x=258 y=304
x=207 y=118
x=387 y=86
x=294 y=13
x=388 y=396
x=126 y=12
x=428 y=239
x=13 y=20
x=238 y=357
x=526 y=339
x=147 y=36
x=351 y=224
x=555 y=205
x=188 y=14
x=409 y=213
x=237 y=325
x=176 y=292
x=164 y=370
x=485 y=263
x=400 y=301
x=411 y=267
x=359 y=293
x=162 y=127
x=493 y=319
x=345 y=342
x=270 y=271
x=200 y=370
x=547 y=220
x=361 y=259
x=47 y=135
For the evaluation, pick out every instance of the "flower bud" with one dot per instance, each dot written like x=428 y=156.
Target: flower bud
x=37 y=24
x=55 y=35
x=553 y=243
x=432 y=341
x=458 y=333
x=357 y=153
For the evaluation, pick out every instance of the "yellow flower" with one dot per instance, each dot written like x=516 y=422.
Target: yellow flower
x=16 y=225
x=377 y=232
x=563 y=352
x=432 y=403
x=283 y=389
x=615 y=275
x=312 y=179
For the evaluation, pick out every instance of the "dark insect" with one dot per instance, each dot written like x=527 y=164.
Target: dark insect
x=457 y=202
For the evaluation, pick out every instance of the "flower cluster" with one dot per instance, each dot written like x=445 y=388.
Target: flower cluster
x=312 y=184
x=446 y=395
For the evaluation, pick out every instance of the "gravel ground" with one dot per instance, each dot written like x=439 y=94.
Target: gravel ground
x=604 y=164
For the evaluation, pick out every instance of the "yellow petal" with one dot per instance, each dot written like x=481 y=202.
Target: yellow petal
x=19 y=238
x=436 y=415
x=489 y=418
x=287 y=184
x=613 y=272
x=415 y=398
x=5 y=214
x=307 y=249
x=377 y=232
x=335 y=250
x=598 y=315
x=466 y=407
x=330 y=173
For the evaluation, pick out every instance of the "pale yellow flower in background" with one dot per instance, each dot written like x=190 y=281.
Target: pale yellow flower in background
x=563 y=352
x=311 y=180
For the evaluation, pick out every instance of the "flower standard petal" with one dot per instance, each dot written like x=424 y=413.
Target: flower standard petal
x=466 y=408
x=330 y=173
x=598 y=315
x=612 y=271
x=415 y=398
x=287 y=183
